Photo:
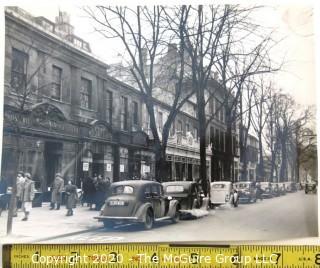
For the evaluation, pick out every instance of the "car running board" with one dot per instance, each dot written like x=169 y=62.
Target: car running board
x=163 y=218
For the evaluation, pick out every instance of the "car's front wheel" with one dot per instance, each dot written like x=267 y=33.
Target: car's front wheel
x=149 y=219
x=176 y=217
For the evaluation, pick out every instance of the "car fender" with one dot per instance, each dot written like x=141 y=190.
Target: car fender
x=172 y=208
x=141 y=212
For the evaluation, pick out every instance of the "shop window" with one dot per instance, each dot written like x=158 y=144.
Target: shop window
x=108 y=103
x=85 y=93
x=56 y=82
x=19 y=70
x=124 y=113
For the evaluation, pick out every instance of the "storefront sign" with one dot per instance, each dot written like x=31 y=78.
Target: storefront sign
x=121 y=168
x=100 y=131
x=85 y=166
x=145 y=169
x=39 y=121
x=108 y=167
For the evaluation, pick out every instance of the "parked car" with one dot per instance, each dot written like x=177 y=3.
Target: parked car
x=282 y=188
x=222 y=192
x=311 y=187
x=266 y=190
x=291 y=186
x=275 y=189
x=139 y=201
x=247 y=191
x=186 y=192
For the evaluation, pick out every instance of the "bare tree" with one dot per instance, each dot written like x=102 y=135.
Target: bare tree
x=143 y=33
x=262 y=97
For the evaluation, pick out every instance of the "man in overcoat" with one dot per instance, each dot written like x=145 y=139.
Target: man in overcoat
x=57 y=189
x=27 y=195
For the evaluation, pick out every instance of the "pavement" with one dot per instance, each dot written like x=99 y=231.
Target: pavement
x=44 y=223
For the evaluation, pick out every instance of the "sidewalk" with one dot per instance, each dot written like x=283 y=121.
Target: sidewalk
x=44 y=223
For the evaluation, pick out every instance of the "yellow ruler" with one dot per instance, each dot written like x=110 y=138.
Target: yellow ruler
x=158 y=255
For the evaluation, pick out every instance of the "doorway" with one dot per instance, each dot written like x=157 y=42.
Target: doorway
x=53 y=160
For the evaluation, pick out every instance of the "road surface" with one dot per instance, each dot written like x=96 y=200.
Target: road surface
x=291 y=216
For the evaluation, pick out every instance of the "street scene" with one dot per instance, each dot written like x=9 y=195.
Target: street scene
x=158 y=124
x=291 y=216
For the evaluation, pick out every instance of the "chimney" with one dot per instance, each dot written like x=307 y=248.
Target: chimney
x=63 y=26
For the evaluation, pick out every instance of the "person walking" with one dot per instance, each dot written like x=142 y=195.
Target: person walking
x=72 y=197
x=56 y=197
x=27 y=195
x=89 y=191
x=102 y=186
x=20 y=182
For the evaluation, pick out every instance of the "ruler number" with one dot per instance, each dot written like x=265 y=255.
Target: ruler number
x=278 y=257
x=317 y=260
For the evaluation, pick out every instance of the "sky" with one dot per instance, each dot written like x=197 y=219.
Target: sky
x=294 y=25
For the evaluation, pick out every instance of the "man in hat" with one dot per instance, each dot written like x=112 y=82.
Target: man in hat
x=27 y=195
x=57 y=189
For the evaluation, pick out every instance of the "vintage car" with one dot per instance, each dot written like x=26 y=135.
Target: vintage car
x=139 y=201
x=266 y=190
x=247 y=191
x=275 y=189
x=310 y=187
x=186 y=192
x=222 y=192
x=290 y=187
x=282 y=188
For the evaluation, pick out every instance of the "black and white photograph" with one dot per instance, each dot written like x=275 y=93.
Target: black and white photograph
x=159 y=123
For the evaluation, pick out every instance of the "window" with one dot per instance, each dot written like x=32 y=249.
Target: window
x=135 y=113
x=108 y=102
x=195 y=133
x=172 y=129
x=85 y=93
x=160 y=121
x=217 y=139
x=187 y=127
x=179 y=126
x=56 y=82
x=222 y=141
x=18 y=69
x=124 y=113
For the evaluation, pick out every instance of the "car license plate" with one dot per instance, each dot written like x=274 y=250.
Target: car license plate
x=116 y=203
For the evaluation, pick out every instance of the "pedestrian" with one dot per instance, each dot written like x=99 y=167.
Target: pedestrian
x=72 y=197
x=27 y=195
x=102 y=188
x=57 y=189
x=3 y=195
x=89 y=191
x=18 y=200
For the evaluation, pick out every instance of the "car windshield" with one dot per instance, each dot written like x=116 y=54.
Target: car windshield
x=218 y=186
x=175 y=189
x=122 y=189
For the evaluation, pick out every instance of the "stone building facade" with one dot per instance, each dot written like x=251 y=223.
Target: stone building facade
x=79 y=120
x=76 y=119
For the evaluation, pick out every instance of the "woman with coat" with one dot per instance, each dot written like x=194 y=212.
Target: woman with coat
x=72 y=197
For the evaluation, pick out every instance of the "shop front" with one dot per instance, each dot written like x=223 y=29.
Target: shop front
x=47 y=144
